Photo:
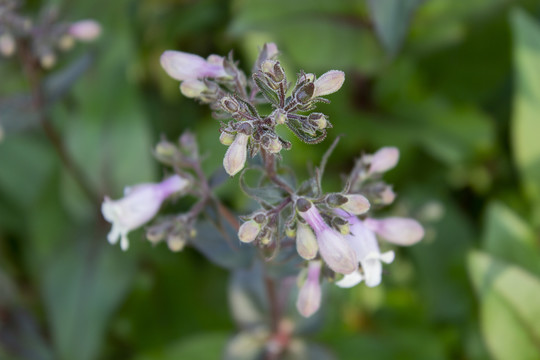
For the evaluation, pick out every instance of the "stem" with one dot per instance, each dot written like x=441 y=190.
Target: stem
x=270 y=167
x=33 y=74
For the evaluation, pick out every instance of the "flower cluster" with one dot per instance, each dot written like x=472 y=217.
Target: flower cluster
x=44 y=36
x=218 y=82
x=332 y=234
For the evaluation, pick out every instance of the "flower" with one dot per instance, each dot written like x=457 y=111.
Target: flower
x=309 y=297
x=334 y=249
x=236 y=154
x=249 y=231
x=85 y=30
x=384 y=159
x=138 y=206
x=329 y=82
x=401 y=231
x=184 y=66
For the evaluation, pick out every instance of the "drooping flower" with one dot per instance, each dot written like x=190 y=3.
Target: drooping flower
x=236 y=154
x=309 y=297
x=333 y=247
x=138 y=206
x=85 y=30
x=185 y=66
x=401 y=231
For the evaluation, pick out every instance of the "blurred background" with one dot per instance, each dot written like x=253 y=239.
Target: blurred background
x=454 y=84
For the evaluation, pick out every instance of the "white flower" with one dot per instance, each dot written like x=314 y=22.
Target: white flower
x=401 y=231
x=139 y=205
x=309 y=297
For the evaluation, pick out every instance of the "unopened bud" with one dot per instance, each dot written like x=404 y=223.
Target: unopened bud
x=229 y=104
x=176 y=242
x=155 y=233
x=48 y=60
x=236 y=154
x=226 y=138
x=319 y=120
x=66 y=42
x=260 y=218
x=192 y=88
x=268 y=66
x=280 y=117
x=384 y=159
x=387 y=196
x=249 y=231
x=165 y=149
x=275 y=146
x=356 y=204
x=7 y=45
x=329 y=83
x=265 y=236
x=271 y=50
x=306 y=242
x=290 y=231
x=85 y=30
x=309 y=296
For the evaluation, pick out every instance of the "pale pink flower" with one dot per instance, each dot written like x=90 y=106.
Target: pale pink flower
x=185 y=66
x=138 y=206
x=329 y=82
x=384 y=159
x=309 y=297
x=85 y=30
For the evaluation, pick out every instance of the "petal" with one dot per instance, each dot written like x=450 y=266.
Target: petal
x=124 y=242
x=372 y=269
x=113 y=235
x=182 y=66
x=350 y=280
x=336 y=252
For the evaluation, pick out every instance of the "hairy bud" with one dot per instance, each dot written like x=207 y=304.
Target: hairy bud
x=236 y=154
x=249 y=231
x=306 y=242
x=356 y=204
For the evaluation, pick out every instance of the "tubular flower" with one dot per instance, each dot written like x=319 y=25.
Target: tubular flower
x=333 y=247
x=400 y=231
x=309 y=297
x=138 y=206
x=184 y=66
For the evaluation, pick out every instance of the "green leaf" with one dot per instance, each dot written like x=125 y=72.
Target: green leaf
x=82 y=285
x=525 y=120
x=391 y=18
x=262 y=194
x=508 y=237
x=510 y=315
x=197 y=347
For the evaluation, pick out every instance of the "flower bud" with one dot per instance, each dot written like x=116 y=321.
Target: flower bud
x=280 y=117
x=356 y=204
x=226 y=138
x=329 y=83
x=384 y=159
x=397 y=230
x=271 y=50
x=249 y=231
x=387 y=196
x=192 y=88
x=7 y=45
x=335 y=200
x=290 y=231
x=184 y=66
x=319 y=120
x=274 y=146
x=176 y=242
x=66 y=42
x=306 y=242
x=230 y=104
x=47 y=61
x=236 y=154
x=85 y=30
x=165 y=149
x=309 y=297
